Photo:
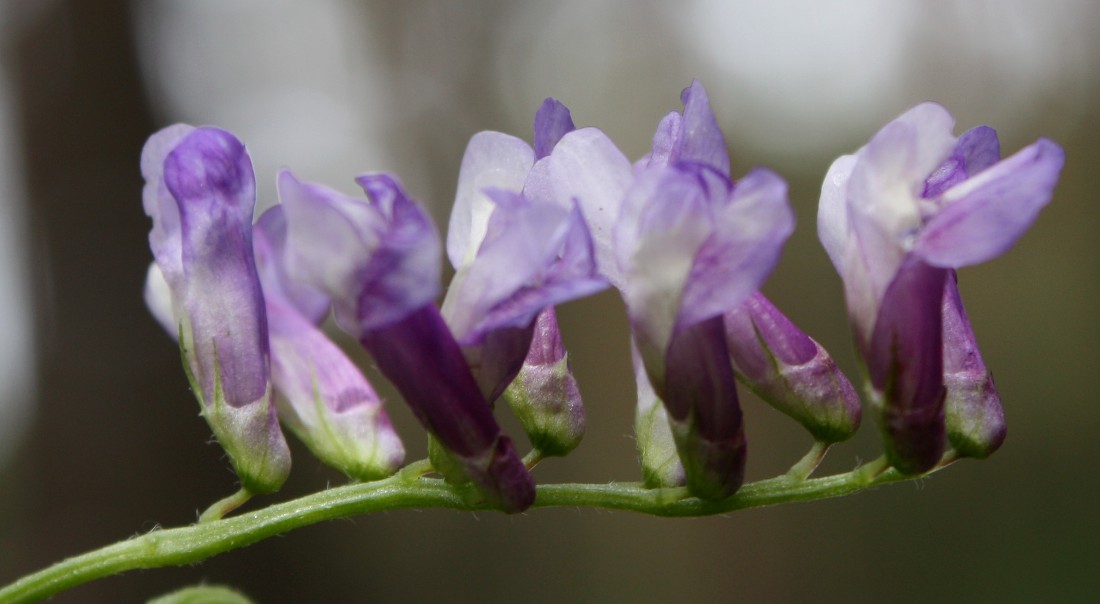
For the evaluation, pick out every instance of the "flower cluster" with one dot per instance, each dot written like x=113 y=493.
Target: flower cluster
x=684 y=243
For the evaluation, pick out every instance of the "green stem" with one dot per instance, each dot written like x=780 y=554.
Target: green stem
x=410 y=489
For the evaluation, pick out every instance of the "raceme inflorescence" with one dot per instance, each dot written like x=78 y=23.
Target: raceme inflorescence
x=686 y=244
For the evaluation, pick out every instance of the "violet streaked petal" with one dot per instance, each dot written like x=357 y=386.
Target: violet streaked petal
x=983 y=216
x=750 y=229
x=492 y=160
x=905 y=367
x=659 y=458
x=201 y=199
x=327 y=401
x=544 y=395
x=210 y=176
x=422 y=359
x=700 y=395
x=552 y=121
x=976 y=150
x=975 y=420
x=790 y=371
x=378 y=260
x=587 y=168
x=701 y=140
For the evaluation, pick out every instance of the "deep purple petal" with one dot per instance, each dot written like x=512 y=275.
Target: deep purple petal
x=983 y=216
x=976 y=150
x=552 y=121
x=700 y=395
x=420 y=356
x=905 y=366
x=492 y=160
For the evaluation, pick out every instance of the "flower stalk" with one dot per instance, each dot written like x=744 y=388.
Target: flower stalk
x=408 y=489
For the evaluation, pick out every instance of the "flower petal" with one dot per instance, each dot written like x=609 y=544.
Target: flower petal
x=976 y=150
x=983 y=216
x=905 y=366
x=552 y=121
x=750 y=229
x=378 y=260
x=327 y=401
x=492 y=160
x=833 y=228
x=269 y=245
x=701 y=140
x=974 y=417
x=665 y=220
x=587 y=167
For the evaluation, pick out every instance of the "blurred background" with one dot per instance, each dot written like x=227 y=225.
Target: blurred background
x=100 y=438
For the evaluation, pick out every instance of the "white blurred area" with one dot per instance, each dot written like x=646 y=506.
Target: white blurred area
x=334 y=88
x=296 y=81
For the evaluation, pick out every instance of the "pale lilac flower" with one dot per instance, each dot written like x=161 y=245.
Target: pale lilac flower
x=200 y=193
x=683 y=244
x=379 y=260
x=324 y=398
x=514 y=255
x=895 y=219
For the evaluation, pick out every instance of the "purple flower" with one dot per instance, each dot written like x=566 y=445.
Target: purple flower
x=683 y=244
x=200 y=193
x=790 y=371
x=514 y=255
x=324 y=398
x=896 y=218
x=379 y=261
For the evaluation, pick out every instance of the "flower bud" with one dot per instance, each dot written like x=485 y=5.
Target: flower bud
x=790 y=371
x=544 y=396
x=975 y=420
